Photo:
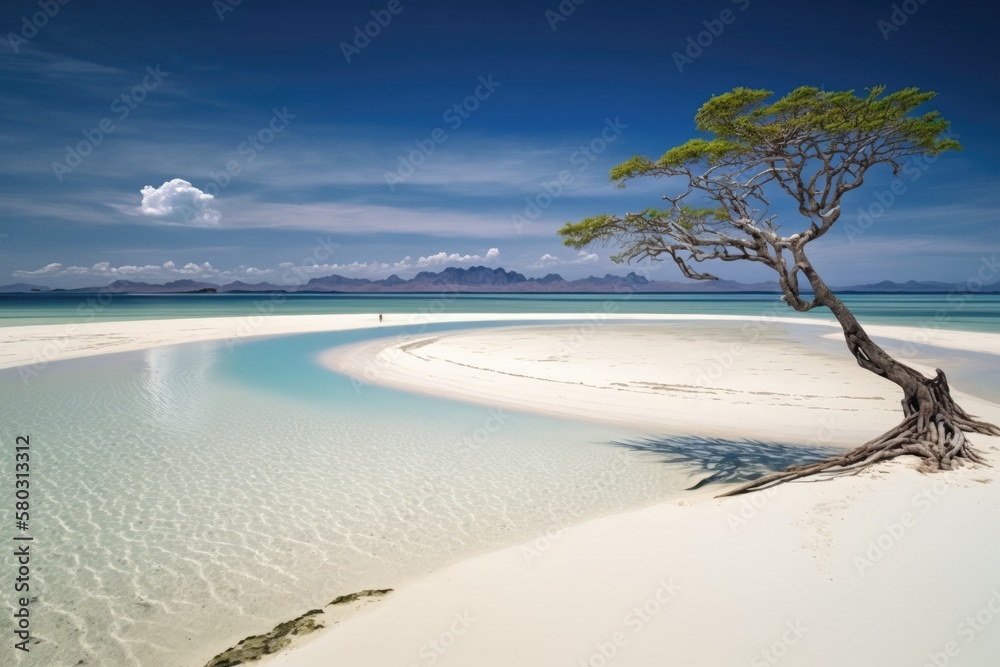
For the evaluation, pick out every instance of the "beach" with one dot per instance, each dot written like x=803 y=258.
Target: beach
x=856 y=571
x=573 y=334
x=883 y=567
x=701 y=378
x=817 y=573
x=36 y=345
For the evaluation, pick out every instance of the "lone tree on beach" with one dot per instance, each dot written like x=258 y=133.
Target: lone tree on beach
x=815 y=147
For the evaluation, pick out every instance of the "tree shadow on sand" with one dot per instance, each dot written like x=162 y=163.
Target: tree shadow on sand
x=728 y=461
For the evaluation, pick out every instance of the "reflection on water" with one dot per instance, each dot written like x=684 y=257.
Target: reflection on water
x=179 y=507
x=186 y=497
x=174 y=384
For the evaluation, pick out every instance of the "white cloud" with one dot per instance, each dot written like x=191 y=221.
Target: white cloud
x=445 y=258
x=179 y=202
x=378 y=270
x=285 y=273
x=547 y=260
x=314 y=270
x=35 y=62
x=104 y=271
x=47 y=270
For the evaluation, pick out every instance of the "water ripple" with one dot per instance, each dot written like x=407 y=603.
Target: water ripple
x=176 y=512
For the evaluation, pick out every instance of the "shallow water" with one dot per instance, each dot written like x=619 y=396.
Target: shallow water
x=185 y=497
x=975 y=373
x=970 y=312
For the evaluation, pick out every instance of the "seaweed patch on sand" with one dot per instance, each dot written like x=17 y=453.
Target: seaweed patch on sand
x=255 y=647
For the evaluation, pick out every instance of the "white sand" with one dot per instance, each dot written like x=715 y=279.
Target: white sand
x=889 y=567
x=883 y=568
x=832 y=560
x=727 y=379
x=37 y=345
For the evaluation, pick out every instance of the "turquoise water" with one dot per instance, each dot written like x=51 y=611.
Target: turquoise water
x=970 y=312
x=185 y=497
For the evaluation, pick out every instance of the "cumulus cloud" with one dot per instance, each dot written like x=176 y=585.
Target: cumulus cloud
x=179 y=202
x=104 y=271
x=374 y=270
x=326 y=269
x=381 y=269
x=547 y=260
x=445 y=258
x=285 y=273
x=47 y=270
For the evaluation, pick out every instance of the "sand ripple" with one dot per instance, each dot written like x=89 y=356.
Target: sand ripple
x=176 y=512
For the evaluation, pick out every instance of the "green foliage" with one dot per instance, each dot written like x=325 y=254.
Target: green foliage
x=636 y=166
x=741 y=124
x=605 y=228
x=698 y=150
x=722 y=114
x=742 y=116
x=587 y=231
x=813 y=144
x=690 y=218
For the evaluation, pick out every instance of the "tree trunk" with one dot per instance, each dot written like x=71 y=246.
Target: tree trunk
x=933 y=427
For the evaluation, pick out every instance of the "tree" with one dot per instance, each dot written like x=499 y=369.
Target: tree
x=816 y=148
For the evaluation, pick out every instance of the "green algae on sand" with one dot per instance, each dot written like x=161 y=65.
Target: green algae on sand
x=256 y=646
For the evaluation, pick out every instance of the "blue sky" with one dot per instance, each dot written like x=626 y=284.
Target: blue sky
x=241 y=141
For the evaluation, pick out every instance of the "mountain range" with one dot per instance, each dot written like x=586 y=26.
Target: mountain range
x=482 y=279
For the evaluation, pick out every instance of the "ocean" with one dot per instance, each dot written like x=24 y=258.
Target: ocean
x=966 y=311
x=187 y=496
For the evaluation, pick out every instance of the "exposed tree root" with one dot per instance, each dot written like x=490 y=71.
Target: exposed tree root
x=933 y=430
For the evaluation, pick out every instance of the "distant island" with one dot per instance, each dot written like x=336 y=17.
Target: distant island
x=483 y=279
